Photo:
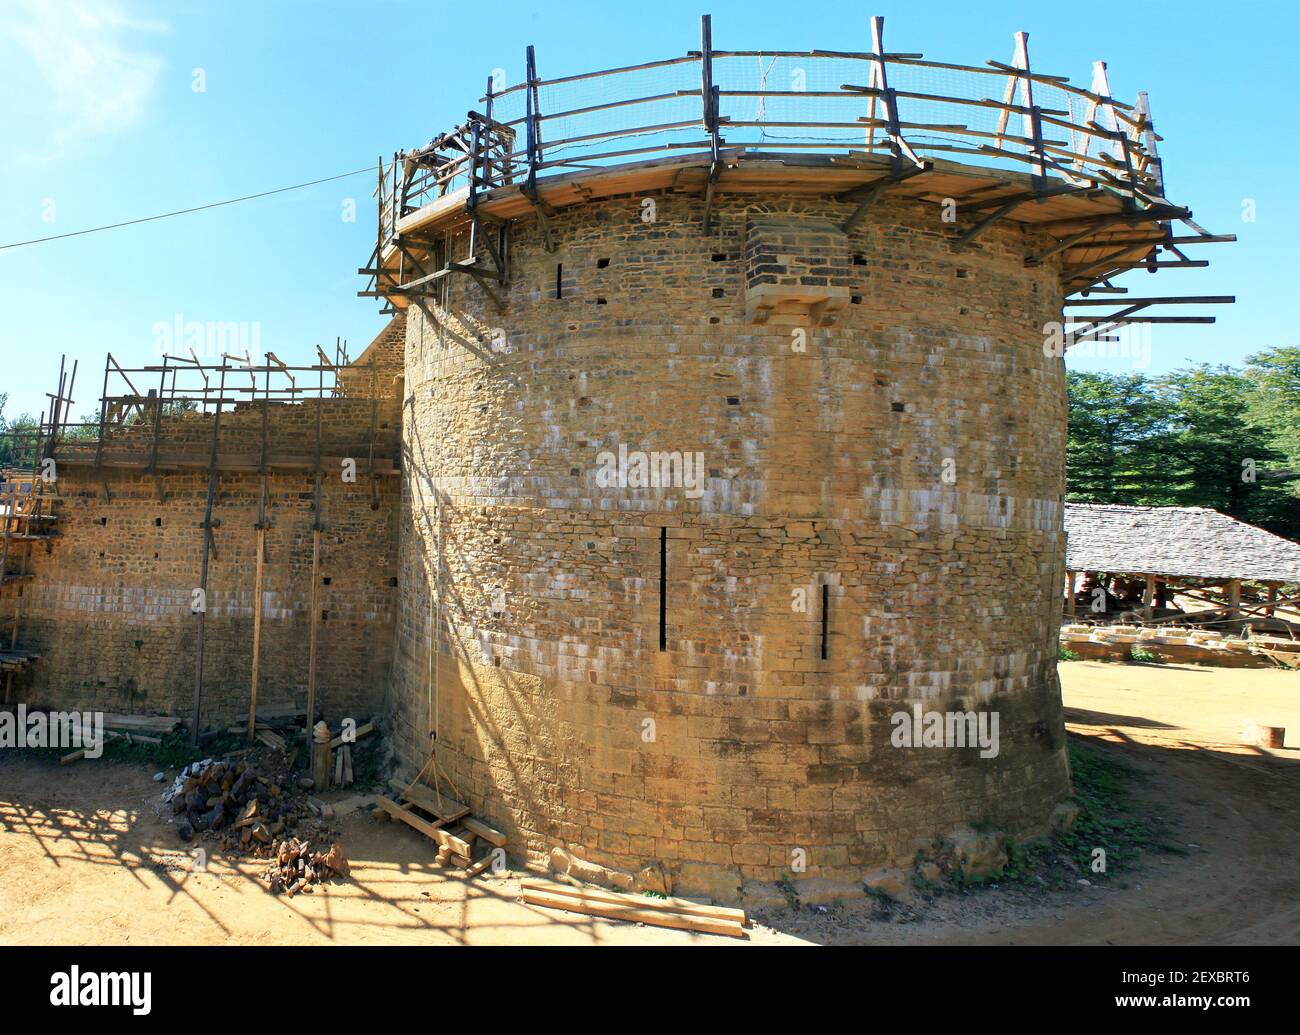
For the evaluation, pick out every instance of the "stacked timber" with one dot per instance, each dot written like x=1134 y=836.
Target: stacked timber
x=444 y=821
x=638 y=909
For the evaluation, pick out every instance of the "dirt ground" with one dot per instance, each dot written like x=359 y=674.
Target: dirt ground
x=84 y=859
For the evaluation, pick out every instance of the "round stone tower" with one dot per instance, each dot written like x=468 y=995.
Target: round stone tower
x=732 y=537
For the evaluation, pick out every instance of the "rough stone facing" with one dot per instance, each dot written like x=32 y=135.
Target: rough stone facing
x=109 y=606
x=737 y=753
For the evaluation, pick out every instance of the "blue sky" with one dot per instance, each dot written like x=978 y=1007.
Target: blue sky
x=102 y=123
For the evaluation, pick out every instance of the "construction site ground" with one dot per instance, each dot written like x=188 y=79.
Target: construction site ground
x=84 y=858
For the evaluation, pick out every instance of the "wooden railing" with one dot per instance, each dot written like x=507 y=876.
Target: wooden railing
x=719 y=104
x=872 y=101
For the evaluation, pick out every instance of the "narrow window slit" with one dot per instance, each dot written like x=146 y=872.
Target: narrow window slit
x=826 y=603
x=663 y=589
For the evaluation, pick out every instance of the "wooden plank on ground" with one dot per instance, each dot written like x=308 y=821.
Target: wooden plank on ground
x=446 y=840
x=633 y=914
x=270 y=739
x=140 y=738
x=479 y=866
x=489 y=834
x=672 y=905
x=75 y=756
x=153 y=723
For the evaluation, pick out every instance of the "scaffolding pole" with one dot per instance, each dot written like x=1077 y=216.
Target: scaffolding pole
x=207 y=550
x=257 y=613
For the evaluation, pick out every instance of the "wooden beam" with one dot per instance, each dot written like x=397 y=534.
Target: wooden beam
x=634 y=914
x=1073 y=239
x=257 y=630
x=1115 y=321
x=457 y=845
x=361 y=731
x=487 y=833
x=315 y=623
x=1003 y=210
x=671 y=905
x=871 y=192
x=1156 y=300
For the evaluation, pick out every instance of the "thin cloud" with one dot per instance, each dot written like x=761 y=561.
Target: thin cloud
x=97 y=76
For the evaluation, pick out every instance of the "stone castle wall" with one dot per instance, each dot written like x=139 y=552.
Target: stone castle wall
x=109 y=606
x=558 y=717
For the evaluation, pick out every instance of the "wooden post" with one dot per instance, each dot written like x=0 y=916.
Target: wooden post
x=1272 y=600
x=314 y=614
x=709 y=110
x=1145 y=132
x=257 y=630
x=4 y=569
x=1069 y=592
x=157 y=419
x=897 y=146
x=103 y=417
x=1234 y=598
x=207 y=549
x=1148 y=595
x=531 y=120
x=320 y=754
x=315 y=622
x=18 y=599
x=9 y=517
x=397 y=204
x=203 y=586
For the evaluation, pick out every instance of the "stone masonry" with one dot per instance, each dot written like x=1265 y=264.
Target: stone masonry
x=903 y=462
x=109 y=606
x=680 y=527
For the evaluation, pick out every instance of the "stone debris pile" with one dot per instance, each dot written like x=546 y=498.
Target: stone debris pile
x=294 y=867
x=254 y=803
x=257 y=806
x=232 y=798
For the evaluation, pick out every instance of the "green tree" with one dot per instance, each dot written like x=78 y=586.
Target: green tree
x=1274 y=401
x=1274 y=377
x=1205 y=435
x=17 y=437
x=1118 y=438
x=1217 y=445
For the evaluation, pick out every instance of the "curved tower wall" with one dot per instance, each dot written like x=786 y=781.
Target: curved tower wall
x=909 y=457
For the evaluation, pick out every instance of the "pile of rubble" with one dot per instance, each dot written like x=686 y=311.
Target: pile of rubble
x=255 y=803
x=233 y=799
x=253 y=806
x=294 y=867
